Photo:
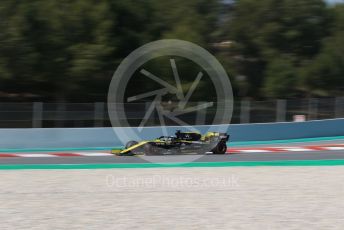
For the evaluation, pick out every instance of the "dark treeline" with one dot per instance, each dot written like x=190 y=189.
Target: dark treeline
x=61 y=50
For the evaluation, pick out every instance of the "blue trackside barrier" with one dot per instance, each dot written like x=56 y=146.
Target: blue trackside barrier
x=106 y=137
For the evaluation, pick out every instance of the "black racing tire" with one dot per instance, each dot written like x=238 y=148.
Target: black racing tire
x=128 y=145
x=220 y=148
x=131 y=143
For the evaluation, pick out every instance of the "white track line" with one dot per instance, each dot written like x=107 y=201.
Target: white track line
x=90 y=154
x=35 y=155
x=334 y=148
x=230 y=150
x=254 y=150
x=296 y=149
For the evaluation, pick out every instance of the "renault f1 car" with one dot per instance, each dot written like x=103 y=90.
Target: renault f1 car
x=181 y=143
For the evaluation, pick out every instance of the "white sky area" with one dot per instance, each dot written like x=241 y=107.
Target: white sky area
x=334 y=1
x=328 y=1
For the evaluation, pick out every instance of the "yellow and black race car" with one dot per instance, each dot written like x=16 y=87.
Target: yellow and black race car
x=181 y=143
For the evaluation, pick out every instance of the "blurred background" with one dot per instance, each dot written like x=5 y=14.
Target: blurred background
x=285 y=58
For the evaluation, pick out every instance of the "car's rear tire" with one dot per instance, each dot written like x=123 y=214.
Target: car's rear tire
x=220 y=148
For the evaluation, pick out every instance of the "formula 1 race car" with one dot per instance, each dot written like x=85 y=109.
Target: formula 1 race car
x=181 y=143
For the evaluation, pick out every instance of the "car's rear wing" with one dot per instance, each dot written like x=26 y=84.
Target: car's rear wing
x=224 y=136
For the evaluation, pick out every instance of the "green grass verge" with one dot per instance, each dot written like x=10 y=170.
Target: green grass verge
x=175 y=165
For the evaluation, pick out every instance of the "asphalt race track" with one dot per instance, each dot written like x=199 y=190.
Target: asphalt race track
x=235 y=157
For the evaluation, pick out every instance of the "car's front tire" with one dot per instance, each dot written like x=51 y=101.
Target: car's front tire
x=128 y=145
